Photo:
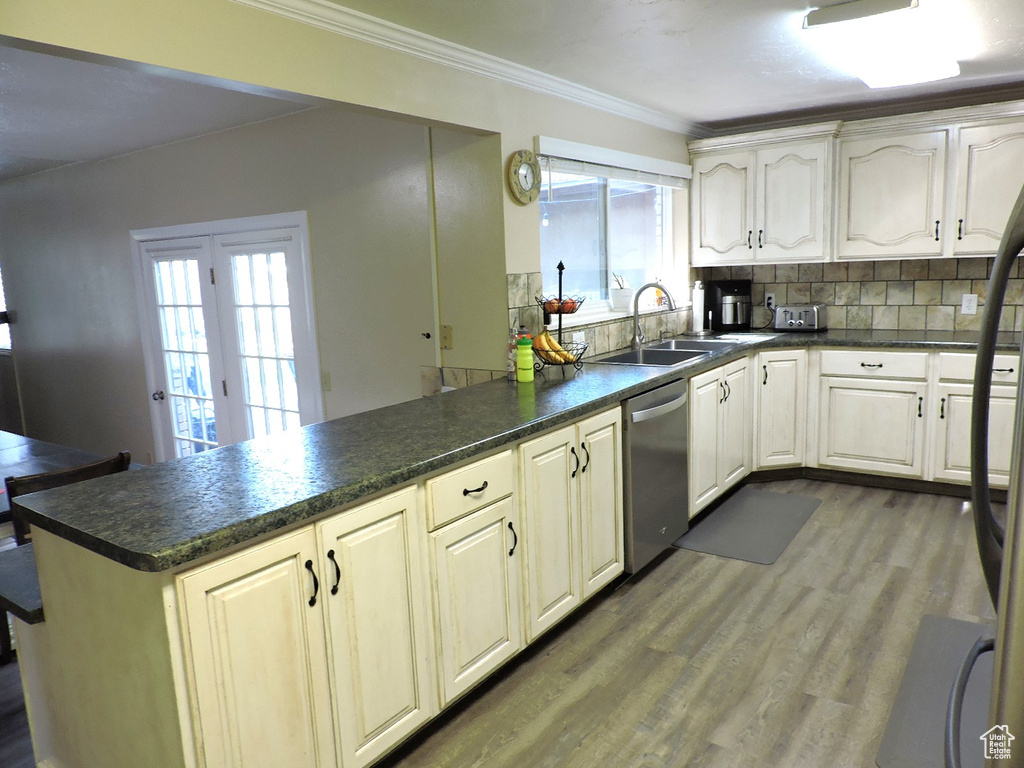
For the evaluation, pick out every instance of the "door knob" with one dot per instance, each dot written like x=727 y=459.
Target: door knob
x=158 y=395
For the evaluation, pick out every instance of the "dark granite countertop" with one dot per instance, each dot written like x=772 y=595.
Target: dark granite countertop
x=168 y=515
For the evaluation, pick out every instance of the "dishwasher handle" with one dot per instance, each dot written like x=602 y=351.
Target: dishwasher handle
x=658 y=410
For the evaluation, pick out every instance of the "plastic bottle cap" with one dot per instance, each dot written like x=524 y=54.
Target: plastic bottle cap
x=524 y=342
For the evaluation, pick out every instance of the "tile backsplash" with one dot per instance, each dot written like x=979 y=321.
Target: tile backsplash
x=919 y=294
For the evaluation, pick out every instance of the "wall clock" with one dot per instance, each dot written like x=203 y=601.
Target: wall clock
x=523 y=176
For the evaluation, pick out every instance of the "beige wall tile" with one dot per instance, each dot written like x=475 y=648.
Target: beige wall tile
x=811 y=273
x=743 y=272
x=872 y=293
x=862 y=271
x=837 y=317
x=887 y=270
x=764 y=273
x=517 y=284
x=899 y=292
x=939 y=318
x=798 y=293
x=972 y=269
x=953 y=291
x=913 y=318
x=942 y=269
x=914 y=269
x=885 y=318
x=453 y=377
x=787 y=273
x=847 y=293
x=823 y=293
x=928 y=292
x=477 y=376
x=835 y=272
x=858 y=317
x=964 y=322
x=430 y=380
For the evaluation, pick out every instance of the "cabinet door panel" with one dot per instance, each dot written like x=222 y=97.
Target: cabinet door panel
x=550 y=510
x=477 y=583
x=790 y=203
x=782 y=412
x=891 y=195
x=737 y=435
x=953 y=436
x=989 y=163
x=601 y=529
x=259 y=658
x=378 y=625
x=723 y=208
x=706 y=396
x=872 y=425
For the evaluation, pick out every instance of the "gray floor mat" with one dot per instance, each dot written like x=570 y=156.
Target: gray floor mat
x=751 y=525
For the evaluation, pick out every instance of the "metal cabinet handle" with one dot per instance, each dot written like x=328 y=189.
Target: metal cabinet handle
x=960 y=229
x=760 y=238
x=515 y=539
x=316 y=583
x=337 y=572
x=728 y=390
x=722 y=398
x=585 y=451
x=576 y=469
x=942 y=408
x=765 y=375
x=920 y=402
x=870 y=365
x=1002 y=370
x=936 y=231
x=467 y=491
x=750 y=234
x=659 y=410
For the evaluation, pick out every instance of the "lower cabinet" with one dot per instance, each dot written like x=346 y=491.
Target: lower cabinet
x=781 y=395
x=720 y=432
x=314 y=646
x=572 y=516
x=477 y=575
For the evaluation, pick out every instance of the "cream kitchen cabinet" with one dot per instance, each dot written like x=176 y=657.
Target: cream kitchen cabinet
x=763 y=204
x=951 y=412
x=781 y=397
x=891 y=195
x=477 y=574
x=872 y=411
x=572 y=516
x=318 y=634
x=259 y=672
x=720 y=439
x=989 y=159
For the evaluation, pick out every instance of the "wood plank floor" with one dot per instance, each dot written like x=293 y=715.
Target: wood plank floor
x=712 y=663
x=708 y=662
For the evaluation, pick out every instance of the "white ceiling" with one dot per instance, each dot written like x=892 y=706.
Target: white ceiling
x=716 y=64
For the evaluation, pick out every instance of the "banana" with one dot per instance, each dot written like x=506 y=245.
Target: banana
x=562 y=355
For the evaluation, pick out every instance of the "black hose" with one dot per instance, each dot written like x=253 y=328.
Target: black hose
x=989 y=530
x=956 y=700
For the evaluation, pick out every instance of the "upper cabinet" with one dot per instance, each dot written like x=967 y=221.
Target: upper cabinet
x=891 y=195
x=990 y=159
x=939 y=184
x=765 y=203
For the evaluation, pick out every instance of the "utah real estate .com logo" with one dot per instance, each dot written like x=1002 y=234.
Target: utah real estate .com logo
x=997 y=742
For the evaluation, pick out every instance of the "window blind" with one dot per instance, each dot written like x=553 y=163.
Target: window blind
x=584 y=168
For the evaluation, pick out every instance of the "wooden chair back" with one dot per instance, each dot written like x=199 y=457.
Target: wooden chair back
x=43 y=481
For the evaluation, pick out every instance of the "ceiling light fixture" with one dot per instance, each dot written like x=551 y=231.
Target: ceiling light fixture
x=886 y=43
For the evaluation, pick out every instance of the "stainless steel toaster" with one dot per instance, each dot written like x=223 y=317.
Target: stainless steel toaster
x=801 y=317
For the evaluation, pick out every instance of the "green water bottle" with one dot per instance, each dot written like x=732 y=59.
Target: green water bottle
x=524 y=360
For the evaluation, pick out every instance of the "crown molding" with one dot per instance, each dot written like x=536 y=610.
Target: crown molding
x=369 y=29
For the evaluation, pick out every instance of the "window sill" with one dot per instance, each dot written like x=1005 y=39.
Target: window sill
x=594 y=316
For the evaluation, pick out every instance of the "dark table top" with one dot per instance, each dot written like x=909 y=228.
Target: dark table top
x=20 y=455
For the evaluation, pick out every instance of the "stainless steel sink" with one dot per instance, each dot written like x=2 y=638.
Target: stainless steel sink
x=650 y=356
x=706 y=345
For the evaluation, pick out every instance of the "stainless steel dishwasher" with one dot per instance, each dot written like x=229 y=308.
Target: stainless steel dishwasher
x=656 y=484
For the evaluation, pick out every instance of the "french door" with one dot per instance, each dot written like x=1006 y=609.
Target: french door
x=231 y=350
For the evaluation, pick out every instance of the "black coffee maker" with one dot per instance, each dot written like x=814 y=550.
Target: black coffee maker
x=729 y=305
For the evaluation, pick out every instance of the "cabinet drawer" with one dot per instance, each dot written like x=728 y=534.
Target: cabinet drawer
x=869 y=362
x=959 y=366
x=461 y=491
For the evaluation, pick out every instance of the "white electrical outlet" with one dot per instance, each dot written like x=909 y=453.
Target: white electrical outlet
x=969 y=304
x=579 y=336
x=769 y=300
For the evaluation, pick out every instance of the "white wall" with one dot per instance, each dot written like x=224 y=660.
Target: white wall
x=69 y=275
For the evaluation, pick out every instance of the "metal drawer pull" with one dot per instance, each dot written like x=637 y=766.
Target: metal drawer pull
x=587 y=462
x=765 y=374
x=942 y=408
x=515 y=540
x=920 y=400
x=750 y=234
x=467 y=491
x=960 y=230
x=728 y=390
x=659 y=410
x=722 y=398
x=337 y=572
x=870 y=365
x=936 y=231
x=316 y=583
x=575 y=455
x=760 y=238
x=1002 y=370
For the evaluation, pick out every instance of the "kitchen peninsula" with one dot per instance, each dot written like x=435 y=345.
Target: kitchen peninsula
x=111 y=676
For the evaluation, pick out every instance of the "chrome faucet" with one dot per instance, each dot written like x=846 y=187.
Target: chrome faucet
x=638 y=331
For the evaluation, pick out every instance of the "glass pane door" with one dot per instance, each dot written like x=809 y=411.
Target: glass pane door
x=186 y=360
x=263 y=321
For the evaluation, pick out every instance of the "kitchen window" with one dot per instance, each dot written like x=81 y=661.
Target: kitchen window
x=606 y=225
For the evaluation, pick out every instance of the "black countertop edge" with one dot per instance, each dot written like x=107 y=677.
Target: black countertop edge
x=176 y=513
